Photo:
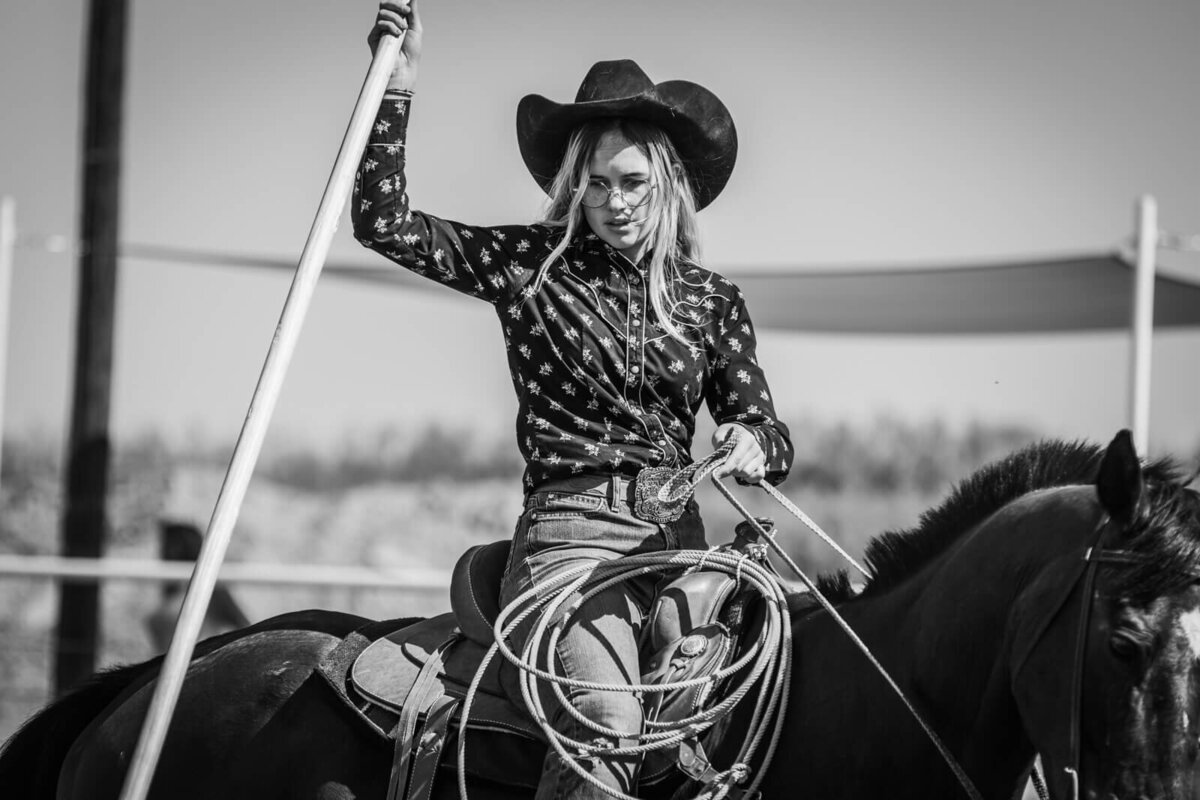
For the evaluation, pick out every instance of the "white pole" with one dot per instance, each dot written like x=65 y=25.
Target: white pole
x=262 y=404
x=8 y=244
x=1143 y=323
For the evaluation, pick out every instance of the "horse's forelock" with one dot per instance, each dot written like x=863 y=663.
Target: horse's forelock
x=1166 y=531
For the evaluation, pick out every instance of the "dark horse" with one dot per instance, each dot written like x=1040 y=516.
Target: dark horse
x=976 y=613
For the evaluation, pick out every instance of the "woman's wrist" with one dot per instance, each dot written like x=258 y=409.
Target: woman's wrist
x=403 y=77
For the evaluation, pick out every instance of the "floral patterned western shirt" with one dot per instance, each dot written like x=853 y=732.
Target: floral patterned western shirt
x=602 y=388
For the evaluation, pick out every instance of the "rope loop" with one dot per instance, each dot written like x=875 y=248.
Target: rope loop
x=683 y=482
x=764 y=665
x=660 y=493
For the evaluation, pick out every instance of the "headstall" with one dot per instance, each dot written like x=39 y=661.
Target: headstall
x=1093 y=558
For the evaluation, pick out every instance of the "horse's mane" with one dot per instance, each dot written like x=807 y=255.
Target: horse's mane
x=1169 y=510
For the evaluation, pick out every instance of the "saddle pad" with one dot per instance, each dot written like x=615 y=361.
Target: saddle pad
x=386 y=670
x=494 y=752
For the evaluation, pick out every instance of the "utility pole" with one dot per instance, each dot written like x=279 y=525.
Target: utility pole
x=88 y=450
x=8 y=243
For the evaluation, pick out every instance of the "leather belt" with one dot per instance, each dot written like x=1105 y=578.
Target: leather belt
x=610 y=487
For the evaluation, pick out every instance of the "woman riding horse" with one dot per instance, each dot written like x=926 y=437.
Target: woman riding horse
x=1049 y=606
x=615 y=335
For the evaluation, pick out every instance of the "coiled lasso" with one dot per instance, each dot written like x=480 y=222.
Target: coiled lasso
x=766 y=663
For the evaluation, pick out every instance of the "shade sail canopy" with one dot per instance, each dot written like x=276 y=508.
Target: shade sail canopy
x=1075 y=294
x=1086 y=293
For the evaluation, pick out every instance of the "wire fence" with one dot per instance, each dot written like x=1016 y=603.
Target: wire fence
x=138 y=608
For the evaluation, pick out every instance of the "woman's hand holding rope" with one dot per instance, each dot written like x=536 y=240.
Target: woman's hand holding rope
x=747 y=461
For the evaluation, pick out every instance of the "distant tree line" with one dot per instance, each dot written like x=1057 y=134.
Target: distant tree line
x=887 y=455
x=893 y=456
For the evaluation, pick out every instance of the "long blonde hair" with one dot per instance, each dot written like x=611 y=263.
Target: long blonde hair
x=674 y=236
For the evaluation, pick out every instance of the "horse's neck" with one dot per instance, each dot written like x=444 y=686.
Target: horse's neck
x=942 y=634
x=979 y=578
x=961 y=602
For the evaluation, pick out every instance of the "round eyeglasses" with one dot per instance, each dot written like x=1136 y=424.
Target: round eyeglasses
x=633 y=193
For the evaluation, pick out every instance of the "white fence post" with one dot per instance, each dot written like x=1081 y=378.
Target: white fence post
x=1143 y=324
x=8 y=244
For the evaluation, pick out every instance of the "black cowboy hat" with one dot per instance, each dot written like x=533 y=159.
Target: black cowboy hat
x=697 y=122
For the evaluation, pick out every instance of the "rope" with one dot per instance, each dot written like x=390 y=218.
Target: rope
x=769 y=658
x=683 y=482
x=1039 y=783
x=947 y=756
x=766 y=664
x=812 y=526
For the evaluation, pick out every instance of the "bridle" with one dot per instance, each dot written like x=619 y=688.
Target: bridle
x=1093 y=557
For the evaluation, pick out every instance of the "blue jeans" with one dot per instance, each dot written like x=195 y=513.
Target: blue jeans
x=566 y=524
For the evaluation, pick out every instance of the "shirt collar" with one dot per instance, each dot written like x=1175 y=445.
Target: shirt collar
x=588 y=243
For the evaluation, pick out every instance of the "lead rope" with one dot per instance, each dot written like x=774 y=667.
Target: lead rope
x=947 y=756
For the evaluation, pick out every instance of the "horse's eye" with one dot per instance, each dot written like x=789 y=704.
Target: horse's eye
x=1127 y=644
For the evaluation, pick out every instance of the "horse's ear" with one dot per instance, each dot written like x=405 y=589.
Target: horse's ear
x=1119 y=483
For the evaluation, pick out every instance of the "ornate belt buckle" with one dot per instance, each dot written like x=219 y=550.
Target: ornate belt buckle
x=649 y=502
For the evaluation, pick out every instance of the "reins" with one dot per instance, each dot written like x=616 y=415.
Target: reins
x=959 y=773
x=552 y=605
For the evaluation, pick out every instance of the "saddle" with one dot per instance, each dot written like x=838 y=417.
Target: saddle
x=412 y=682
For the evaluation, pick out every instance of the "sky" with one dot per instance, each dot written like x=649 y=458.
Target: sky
x=871 y=133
